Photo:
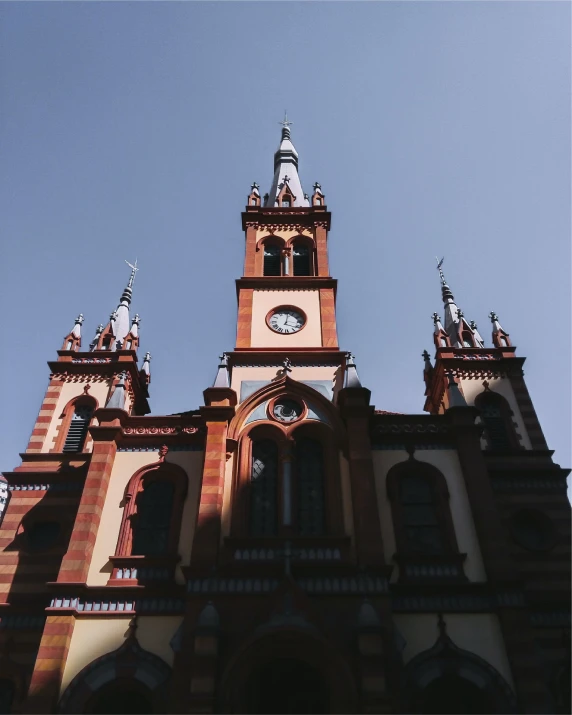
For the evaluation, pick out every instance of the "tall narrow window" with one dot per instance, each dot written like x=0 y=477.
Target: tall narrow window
x=421 y=526
x=272 y=262
x=152 y=522
x=302 y=261
x=495 y=418
x=77 y=432
x=263 y=488
x=310 y=486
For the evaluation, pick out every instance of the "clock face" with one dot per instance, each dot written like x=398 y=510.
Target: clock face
x=286 y=320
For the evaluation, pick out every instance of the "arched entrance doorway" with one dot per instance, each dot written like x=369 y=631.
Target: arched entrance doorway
x=287 y=685
x=452 y=694
x=287 y=671
x=123 y=695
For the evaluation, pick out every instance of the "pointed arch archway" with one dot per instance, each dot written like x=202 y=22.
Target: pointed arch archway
x=449 y=679
x=288 y=468
x=287 y=670
x=130 y=673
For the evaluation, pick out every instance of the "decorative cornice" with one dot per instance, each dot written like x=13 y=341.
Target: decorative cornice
x=104 y=607
x=172 y=448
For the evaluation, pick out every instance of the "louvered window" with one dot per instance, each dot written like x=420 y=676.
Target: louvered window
x=421 y=525
x=495 y=426
x=310 y=486
x=272 y=262
x=263 y=488
x=302 y=261
x=152 y=523
x=77 y=431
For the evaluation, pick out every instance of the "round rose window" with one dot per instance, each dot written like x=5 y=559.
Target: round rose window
x=286 y=410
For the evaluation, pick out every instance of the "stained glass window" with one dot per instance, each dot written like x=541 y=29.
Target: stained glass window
x=310 y=486
x=263 y=488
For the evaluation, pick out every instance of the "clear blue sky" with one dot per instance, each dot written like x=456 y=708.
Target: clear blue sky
x=135 y=130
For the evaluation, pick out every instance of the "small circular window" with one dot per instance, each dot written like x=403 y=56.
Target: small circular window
x=285 y=410
x=42 y=535
x=533 y=530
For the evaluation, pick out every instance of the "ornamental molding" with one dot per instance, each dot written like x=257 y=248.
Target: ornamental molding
x=72 y=377
x=93 y=360
x=416 y=428
x=161 y=430
x=520 y=483
x=359 y=586
x=172 y=448
x=47 y=487
x=113 y=605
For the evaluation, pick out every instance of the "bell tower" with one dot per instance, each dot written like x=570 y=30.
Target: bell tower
x=286 y=296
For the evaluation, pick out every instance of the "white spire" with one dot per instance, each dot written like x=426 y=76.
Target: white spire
x=222 y=379
x=451 y=313
x=121 y=325
x=352 y=377
x=286 y=170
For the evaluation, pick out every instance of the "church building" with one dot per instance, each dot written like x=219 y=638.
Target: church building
x=285 y=547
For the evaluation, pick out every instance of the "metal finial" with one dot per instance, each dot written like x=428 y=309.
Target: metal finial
x=287 y=365
x=436 y=318
x=460 y=314
x=113 y=316
x=136 y=320
x=493 y=316
x=425 y=355
x=317 y=186
x=285 y=122
x=440 y=269
x=286 y=178
x=79 y=319
x=254 y=186
x=223 y=359
x=147 y=357
x=473 y=325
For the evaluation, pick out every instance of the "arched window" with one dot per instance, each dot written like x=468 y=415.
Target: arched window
x=78 y=426
x=153 y=507
x=286 y=201
x=497 y=421
x=421 y=515
x=272 y=261
x=263 y=488
x=152 y=523
x=420 y=523
x=302 y=260
x=309 y=455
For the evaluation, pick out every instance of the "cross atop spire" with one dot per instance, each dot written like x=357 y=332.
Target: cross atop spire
x=440 y=269
x=134 y=270
x=285 y=122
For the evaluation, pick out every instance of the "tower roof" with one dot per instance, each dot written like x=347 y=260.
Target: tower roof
x=286 y=170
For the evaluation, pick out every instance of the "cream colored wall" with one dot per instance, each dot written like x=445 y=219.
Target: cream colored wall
x=124 y=467
x=263 y=301
x=94 y=637
x=70 y=390
x=270 y=373
x=479 y=633
x=447 y=461
x=286 y=235
x=472 y=388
